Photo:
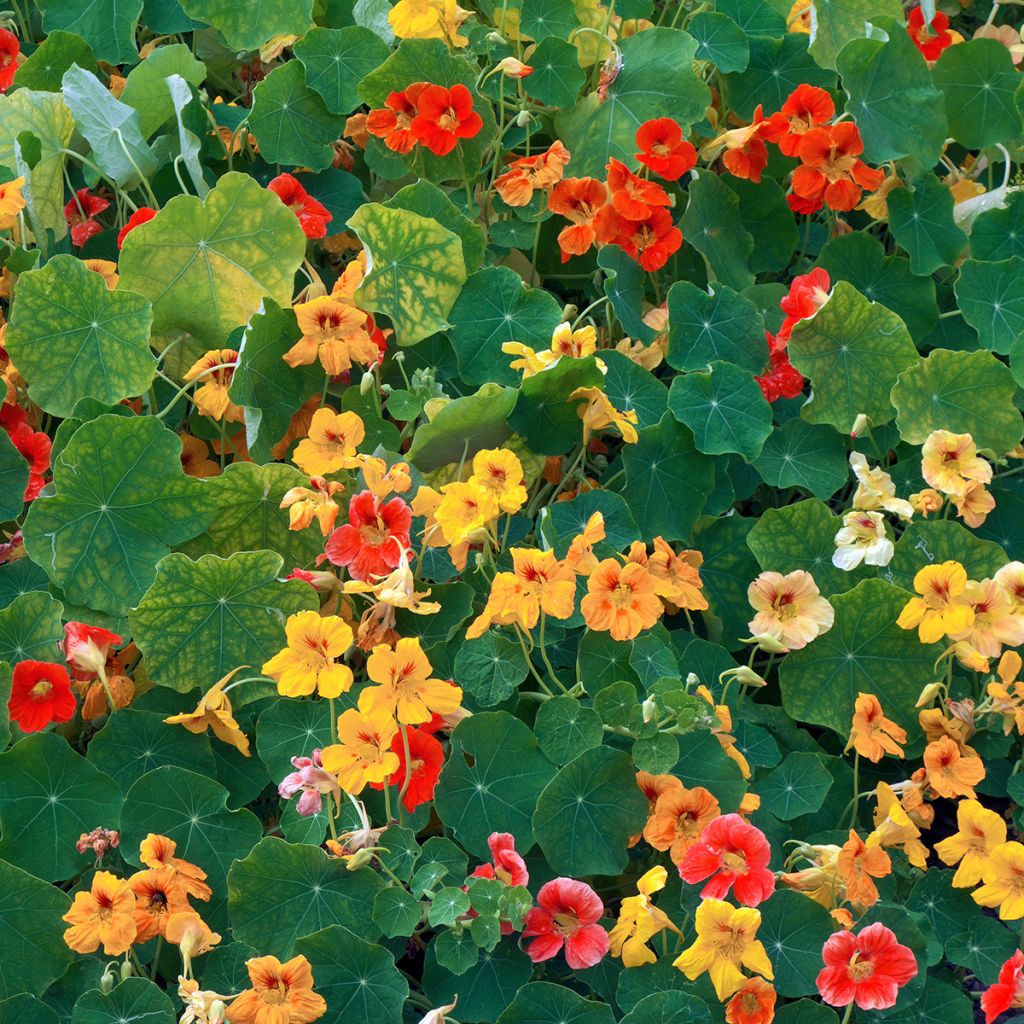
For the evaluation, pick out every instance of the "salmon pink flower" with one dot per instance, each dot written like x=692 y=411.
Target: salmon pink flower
x=950 y=462
x=371 y=543
x=309 y=779
x=507 y=865
x=789 y=608
x=732 y=854
x=831 y=171
x=40 y=695
x=140 y=216
x=10 y=47
x=805 y=108
x=867 y=969
x=566 y=917
x=621 y=599
x=663 y=149
x=931 y=39
x=1008 y=992
x=426 y=757
x=88 y=647
x=529 y=173
x=313 y=216
x=443 y=117
x=80 y=213
x=393 y=121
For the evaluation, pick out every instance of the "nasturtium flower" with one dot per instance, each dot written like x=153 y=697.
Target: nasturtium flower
x=862 y=538
x=363 y=752
x=872 y=734
x=333 y=332
x=140 y=216
x=313 y=216
x=191 y=934
x=80 y=212
x=732 y=854
x=305 y=504
x=1011 y=578
x=726 y=942
x=1007 y=695
x=393 y=122
x=676 y=576
x=158 y=893
x=867 y=969
x=404 y=684
x=156 y=851
x=444 y=117
x=974 y=505
x=506 y=864
x=631 y=196
x=466 y=508
x=621 y=599
x=978 y=832
x=566 y=917
x=996 y=624
x=926 y=501
x=745 y=153
x=105 y=915
x=331 y=443
x=875 y=489
x=1003 y=875
x=40 y=695
x=195 y=460
x=12 y=202
x=650 y=242
x=214 y=712
x=86 y=648
x=680 y=816
x=426 y=758
x=953 y=771
x=580 y=557
x=499 y=471
x=382 y=479
x=527 y=174
x=789 y=608
x=639 y=921
x=831 y=171
x=215 y=369
x=428 y=19
x=663 y=150
x=931 y=39
x=580 y=201
x=858 y=864
x=950 y=461
x=373 y=541
x=753 y=1003
x=941 y=609
x=652 y=786
x=807 y=107
x=311 y=781
x=281 y=993
x=1008 y=992
x=309 y=664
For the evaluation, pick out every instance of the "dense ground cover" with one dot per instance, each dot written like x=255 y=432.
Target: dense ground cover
x=512 y=515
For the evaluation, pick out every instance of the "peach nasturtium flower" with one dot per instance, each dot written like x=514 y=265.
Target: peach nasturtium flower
x=156 y=851
x=873 y=735
x=309 y=663
x=680 y=816
x=858 y=863
x=753 y=1003
x=334 y=332
x=996 y=624
x=875 y=489
x=621 y=599
x=105 y=915
x=191 y=934
x=978 y=832
x=215 y=369
x=159 y=893
x=953 y=771
x=331 y=443
x=599 y=414
x=789 y=608
x=950 y=461
x=404 y=686
x=281 y=993
x=363 y=752
x=1003 y=875
x=940 y=609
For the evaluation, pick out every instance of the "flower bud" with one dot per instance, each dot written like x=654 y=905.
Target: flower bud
x=860 y=425
x=523 y=118
x=514 y=68
x=366 y=384
x=768 y=643
x=928 y=694
x=692 y=679
x=360 y=859
x=218 y=1012
x=495 y=38
x=746 y=676
x=126 y=970
x=649 y=710
x=108 y=980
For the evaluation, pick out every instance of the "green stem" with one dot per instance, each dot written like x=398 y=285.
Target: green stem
x=544 y=655
x=143 y=180
x=156 y=957
x=101 y=672
x=529 y=663
x=408 y=766
x=856 y=788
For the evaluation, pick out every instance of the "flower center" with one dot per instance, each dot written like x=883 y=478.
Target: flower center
x=567 y=923
x=448 y=121
x=735 y=862
x=278 y=995
x=41 y=689
x=860 y=970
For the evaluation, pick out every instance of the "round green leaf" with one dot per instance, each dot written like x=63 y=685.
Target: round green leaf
x=206 y=264
x=852 y=350
x=121 y=501
x=415 y=269
x=998 y=234
x=991 y=298
x=838 y=21
x=506 y=761
x=729 y=566
x=490 y=668
x=27 y=1009
x=766 y=215
x=725 y=408
x=864 y=652
x=631 y=388
x=720 y=326
x=805 y=455
x=565 y=728
x=49 y=796
x=703 y=762
x=358 y=979
x=47 y=63
x=983 y=949
x=13 y=479
x=545 y=18
x=965 y=392
x=793 y=929
x=926 y=543
x=587 y=813
x=797 y=786
x=776 y=65
x=720 y=40
x=108 y=26
x=396 y=912
x=30 y=628
x=949 y=911
x=73 y=338
x=668 y=1007
x=541 y=1002
x=336 y=60
x=292 y=728
x=249 y=25
x=921 y=220
x=426 y=199
x=291 y=122
x=557 y=76
x=713 y=226
x=133 y=1001
x=146 y=88
x=561 y=522
x=487 y=988
x=199 y=620
x=32 y=950
x=310 y=892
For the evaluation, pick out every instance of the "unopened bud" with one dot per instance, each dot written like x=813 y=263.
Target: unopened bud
x=692 y=679
x=108 y=980
x=514 y=68
x=218 y=1012
x=523 y=118
x=126 y=970
x=767 y=643
x=360 y=859
x=399 y=357
x=366 y=384
x=860 y=424
x=746 y=676
x=386 y=389
x=928 y=694
x=649 y=710
x=495 y=38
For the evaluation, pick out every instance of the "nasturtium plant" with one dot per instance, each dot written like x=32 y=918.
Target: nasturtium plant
x=511 y=512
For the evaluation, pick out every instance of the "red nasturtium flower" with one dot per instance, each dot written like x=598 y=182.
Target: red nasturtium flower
x=393 y=121
x=805 y=108
x=426 y=758
x=730 y=853
x=372 y=541
x=579 y=200
x=650 y=241
x=443 y=117
x=507 y=865
x=1008 y=992
x=806 y=295
x=9 y=50
x=566 y=916
x=40 y=694
x=663 y=150
x=140 y=216
x=80 y=212
x=633 y=197
x=746 y=154
x=87 y=647
x=313 y=216
x=932 y=39
x=35 y=446
x=868 y=969
x=831 y=171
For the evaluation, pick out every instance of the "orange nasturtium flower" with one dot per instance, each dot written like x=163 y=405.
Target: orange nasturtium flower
x=404 y=687
x=159 y=892
x=941 y=608
x=680 y=815
x=331 y=444
x=308 y=664
x=157 y=851
x=363 y=752
x=211 y=397
x=639 y=921
x=334 y=332
x=790 y=608
x=1003 y=875
x=526 y=174
x=753 y=1003
x=621 y=599
x=726 y=942
x=214 y=712
x=499 y=471
x=280 y=993
x=677 y=576
x=580 y=557
x=953 y=771
x=105 y=915
x=873 y=735
x=858 y=863
x=305 y=504
x=978 y=832
x=599 y=414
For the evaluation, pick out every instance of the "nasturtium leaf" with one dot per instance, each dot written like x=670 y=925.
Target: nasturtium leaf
x=45 y=66
x=802 y=536
x=729 y=568
x=249 y=24
x=653 y=658
x=864 y=652
x=121 y=502
x=725 y=408
x=415 y=269
x=852 y=350
x=991 y=298
x=357 y=979
x=32 y=949
x=587 y=812
x=146 y=87
x=900 y=922
x=921 y=221
x=542 y=1002
x=983 y=949
x=111 y=128
x=667 y=479
x=668 y=1007
x=495 y=307
x=13 y=479
x=836 y=22
x=543 y=18
x=720 y=40
x=949 y=911
x=978 y=81
x=565 y=728
x=890 y=93
x=27 y=1009
x=292 y=728
x=631 y=388
x=797 y=786
x=447 y=905
x=455 y=951
x=639 y=983
x=456 y=601
x=132 y=1001
x=199 y=620
x=73 y=338
x=133 y=742
x=928 y=542
x=757 y=745
x=310 y=891
x=793 y=930
x=30 y=628
x=463 y=427
x=557 y=76
x=49 y=796
x=998 y=234
x=964 y=392
x=499 y=790
x=426 y=199
x=712 y=225
x=624 y=284
x=291 y=122
x=775 y=68
x=108 y=26
x=544 y=415
x=487 y=988
x=490 y=668
x=766 y=216
x=192 y=810
x=336 y=60
x=806 y=1011
x=656 y=79
x=207 y=264
x=720 y=326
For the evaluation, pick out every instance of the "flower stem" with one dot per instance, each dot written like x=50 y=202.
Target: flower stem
x=102 y=674
x=856 y=788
